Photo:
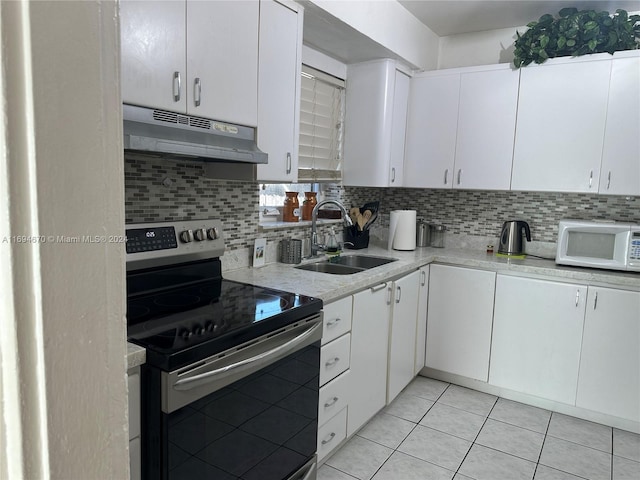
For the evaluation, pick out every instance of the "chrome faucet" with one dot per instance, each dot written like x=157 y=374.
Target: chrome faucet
x=315 y=246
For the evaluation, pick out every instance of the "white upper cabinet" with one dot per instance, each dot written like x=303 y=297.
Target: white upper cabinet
x=486 y=129
x=460 y=129
x=279 y=90
x=375 y=122
x=183 y=56
x=153 y=39
x=222 y=60
x=561 y=123
x=621 y=154
x=432 y=123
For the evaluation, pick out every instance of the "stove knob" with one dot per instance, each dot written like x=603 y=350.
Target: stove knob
x=198 y=330
x=200 y=234
x=186 y=236
x=185 y=334
x=208 y=326
x=212 y=233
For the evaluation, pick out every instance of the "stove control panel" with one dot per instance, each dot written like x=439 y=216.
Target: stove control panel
x=154 y=244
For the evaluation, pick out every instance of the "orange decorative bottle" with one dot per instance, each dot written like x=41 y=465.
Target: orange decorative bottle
x=309 y=202
x=291 y=211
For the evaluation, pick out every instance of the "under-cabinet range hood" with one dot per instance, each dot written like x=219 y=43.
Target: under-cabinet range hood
x=173 y=134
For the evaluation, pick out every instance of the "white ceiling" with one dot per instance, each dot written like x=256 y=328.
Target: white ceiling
x=450 y=17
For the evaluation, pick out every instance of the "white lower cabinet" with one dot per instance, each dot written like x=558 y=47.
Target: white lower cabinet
x=402 y=335
x=335 y=355
x=421 y=322
x=369 y=354
x=609 y=379
x=460 y=313
x=135 y=459
x=537 y=336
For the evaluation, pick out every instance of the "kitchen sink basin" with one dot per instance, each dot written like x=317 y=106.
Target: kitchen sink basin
x=362 y=261
x=346 y=265
x=333 y=268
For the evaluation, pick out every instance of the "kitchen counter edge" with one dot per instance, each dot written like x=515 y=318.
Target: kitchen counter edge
x=330 y=287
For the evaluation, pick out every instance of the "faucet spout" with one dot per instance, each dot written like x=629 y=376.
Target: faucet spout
x=315 y=247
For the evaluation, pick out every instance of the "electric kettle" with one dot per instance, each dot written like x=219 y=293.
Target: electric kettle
x=511 y=237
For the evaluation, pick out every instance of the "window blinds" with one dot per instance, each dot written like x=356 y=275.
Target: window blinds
x=321 y=127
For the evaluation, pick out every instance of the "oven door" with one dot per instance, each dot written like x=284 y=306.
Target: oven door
x=249 y=413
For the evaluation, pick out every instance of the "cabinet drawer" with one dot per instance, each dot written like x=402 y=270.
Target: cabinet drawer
x=331 y=434
x=334 y=358
x=337 y=319
x=333 y=397
x=134 y=404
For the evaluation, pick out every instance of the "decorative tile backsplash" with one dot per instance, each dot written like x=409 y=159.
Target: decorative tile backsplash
x=163 y=190
x=482 y=213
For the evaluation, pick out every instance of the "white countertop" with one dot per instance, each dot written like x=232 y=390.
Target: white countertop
x=331 y=287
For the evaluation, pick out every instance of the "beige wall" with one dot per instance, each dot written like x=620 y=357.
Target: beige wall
x=63 y=371
x=478 y=48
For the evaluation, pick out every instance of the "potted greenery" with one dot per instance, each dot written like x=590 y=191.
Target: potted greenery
x=576 y=33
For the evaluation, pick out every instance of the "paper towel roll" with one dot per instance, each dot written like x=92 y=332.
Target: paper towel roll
x=402 y=230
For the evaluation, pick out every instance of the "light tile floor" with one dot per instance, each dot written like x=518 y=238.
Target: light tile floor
x=440 y=431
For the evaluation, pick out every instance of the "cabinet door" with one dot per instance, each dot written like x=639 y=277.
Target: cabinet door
x=398 y=129
x=368 y=121
x=609 y=380
x=279 y=91
x=620 y=165
x=369 y=354
x=560 y=126
x=537 y=333
x=402 y=340
x=431 y=131
x=421 y=332
x=222 y=60
x=486 y=129
x=459 y=321
x=152 y=53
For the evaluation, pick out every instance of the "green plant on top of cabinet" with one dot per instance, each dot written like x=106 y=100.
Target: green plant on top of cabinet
x=375 y=123
x=183 y=56
x=460 y=128
x=279 y=56
x=459 y=320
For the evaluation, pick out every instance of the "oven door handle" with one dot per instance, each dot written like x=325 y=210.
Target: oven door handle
x=256 y=362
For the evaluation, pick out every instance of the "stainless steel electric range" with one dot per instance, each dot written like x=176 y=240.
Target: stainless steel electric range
x=230 y=387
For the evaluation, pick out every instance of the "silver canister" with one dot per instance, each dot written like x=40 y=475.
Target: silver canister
x=290 y=250
x=437 y=236
x=423 y=234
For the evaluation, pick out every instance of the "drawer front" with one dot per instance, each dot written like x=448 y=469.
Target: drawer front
x=331 y=434
x=333 y=397
x=337 y=319
x=334 y=358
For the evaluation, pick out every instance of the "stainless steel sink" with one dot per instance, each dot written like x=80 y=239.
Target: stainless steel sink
x=333 y=268
x=362 y=261
x=347 y=265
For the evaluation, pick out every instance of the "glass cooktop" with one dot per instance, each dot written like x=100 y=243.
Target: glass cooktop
x=182 y=325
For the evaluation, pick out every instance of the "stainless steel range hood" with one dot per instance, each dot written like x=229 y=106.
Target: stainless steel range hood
x=173 y=134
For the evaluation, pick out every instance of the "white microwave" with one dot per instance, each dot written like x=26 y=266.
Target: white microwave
x=610 y=245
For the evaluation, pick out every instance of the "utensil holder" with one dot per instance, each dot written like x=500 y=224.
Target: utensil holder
x=359 y=239
x=290 y=250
